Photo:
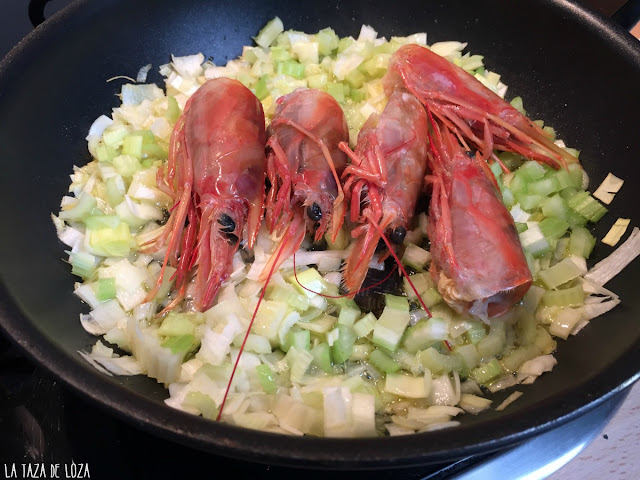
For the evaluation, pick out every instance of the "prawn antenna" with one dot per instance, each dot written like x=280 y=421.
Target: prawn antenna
x=246 y=335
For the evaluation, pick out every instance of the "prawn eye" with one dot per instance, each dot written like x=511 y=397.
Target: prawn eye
x=314 y=212
x=228 y=225
x=398 y=234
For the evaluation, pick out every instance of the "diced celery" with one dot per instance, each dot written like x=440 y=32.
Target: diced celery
x=568 y=297
x=83 y=264
x=416 y=257
x=176 y=324
x=521 y=227
x=355 y=78
x=562 y=272
x=365 y=325
x=431 y=297
x=173 y=110
x=495 y=341
x=280 y=54
x=545 y=186
x=389 y=328
x=260 y=88
x=291 y=68
x=575 y=175
x=529 y=202
x=425 y=333
x=518 y=184
x=553 y=227
x=518 y=356
x=554 y=206
x=327 y=41
x=550 y=131
x=269 y=32
x=301 y=339
x=518 y=105
x=358 y=95
x=531 y=171
x=182 y=344
x=526 y=327
x=132 y=145
x=343 y=346
x=581 y=242
x=106 y=289
x=377 y=66
x=395 y=302
x=563 y=178
x=267 y=378
x=487 y=372
x=114 y=190
x=477 y=332
x=114 y=135
x=587 y=206
x=544 y=341
x=83 y=208
x=336 y=90
x=348 y=315
x=105 y=153
x=201 y=402
x=508 y=198
x=469 y=355
x=127 y=165
x=383 y=362
x=421 y=282
x=322 y=356
x=439 y=363
x=317 y=81
x=344 y=43
x=111 y=242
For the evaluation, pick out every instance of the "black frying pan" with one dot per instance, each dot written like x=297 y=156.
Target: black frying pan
x=574 y=69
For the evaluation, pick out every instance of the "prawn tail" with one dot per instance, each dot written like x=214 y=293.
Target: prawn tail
x=289 y=244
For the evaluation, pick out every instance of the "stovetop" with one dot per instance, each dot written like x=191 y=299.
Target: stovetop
x=48 y=429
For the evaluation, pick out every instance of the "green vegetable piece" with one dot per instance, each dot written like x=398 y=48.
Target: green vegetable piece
x=83 y=264
x=439 y=363
x=395 y=302
x=182 y=344
x=568 y=297
x=383 y=362
x=127 y=165
x=518 y=105
x=173 y=110
x=290 y=67
x=201 y=402
x=301 y=339
x=581 y=242
x=132 y=145
x=327 y=41
x=425 y=333
x=106 y=289
x=343 y=346
x=322 y=357
x=267 y=378
x=390 y=327
x=553 y=227
x=487 y=372
x=269 y=32
x=177 y=324
x=260 y=89
x=83 y=208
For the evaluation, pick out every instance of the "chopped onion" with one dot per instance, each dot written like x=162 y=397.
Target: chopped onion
x=509 y=400
x=608 y=268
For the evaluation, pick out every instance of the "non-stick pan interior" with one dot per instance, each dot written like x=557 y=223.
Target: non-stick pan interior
x=574 y=70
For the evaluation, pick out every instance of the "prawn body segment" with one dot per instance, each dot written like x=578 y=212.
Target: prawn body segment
x=477 y=115
x=304 y=165
x=384 y=179
x=216 y=174
x=477 y=260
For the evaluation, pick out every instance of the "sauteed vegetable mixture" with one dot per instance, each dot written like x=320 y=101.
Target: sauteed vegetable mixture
x=333 y=236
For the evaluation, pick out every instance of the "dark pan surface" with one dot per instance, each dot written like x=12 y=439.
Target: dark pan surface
x=575 y=70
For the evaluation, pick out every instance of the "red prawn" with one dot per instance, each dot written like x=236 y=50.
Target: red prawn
x=384 y=180
x=216 y=175
x=303 y=166
x=477 y=259
x=469 y=109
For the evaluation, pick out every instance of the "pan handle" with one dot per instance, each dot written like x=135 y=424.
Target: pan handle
x=36 y=11
x=628 y=15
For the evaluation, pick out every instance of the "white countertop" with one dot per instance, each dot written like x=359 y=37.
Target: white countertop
x=613 y=454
